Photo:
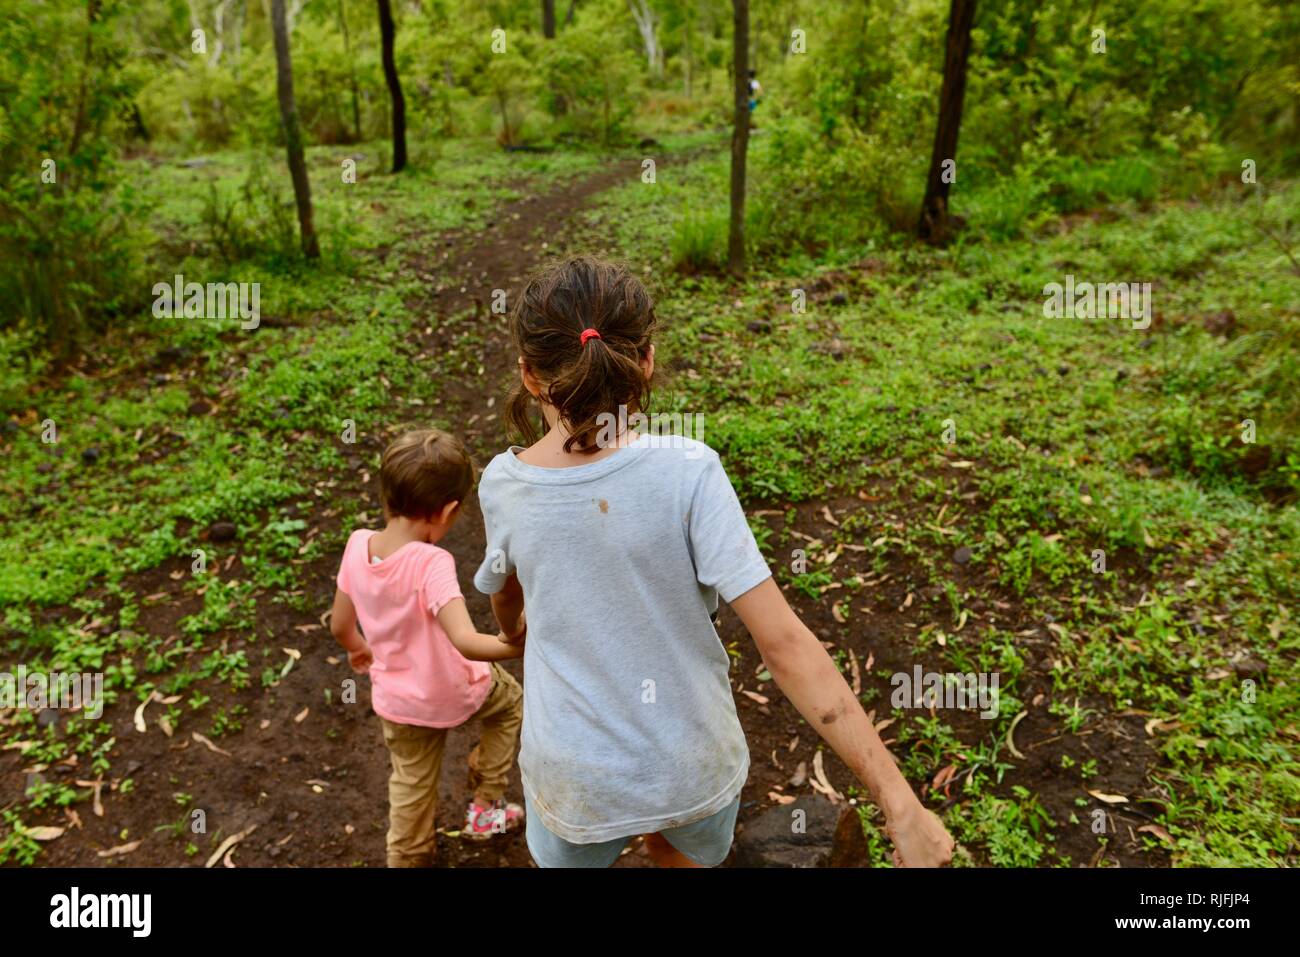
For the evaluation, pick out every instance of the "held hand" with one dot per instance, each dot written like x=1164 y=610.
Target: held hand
x=920 y=839
x=519 y=635
x=361 y=658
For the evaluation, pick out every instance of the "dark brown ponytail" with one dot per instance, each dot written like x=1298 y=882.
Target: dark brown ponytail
x=582 y=380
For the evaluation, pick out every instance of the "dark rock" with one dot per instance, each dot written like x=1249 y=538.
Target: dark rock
x=835 y=348
x=91 y=455
x=962 y=555
x=839 y=299
x=200 y=407
x=783 y=837
x=1250 y=668
x=1221 y=323
x=222 y=532
x=47 y=717
x=646 y=142
x=759 y=326
x=850 y=848
x=1121 y=375
x=1062 y=370
x=44 y=467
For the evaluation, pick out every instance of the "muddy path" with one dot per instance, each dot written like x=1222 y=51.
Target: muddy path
x=304 y=783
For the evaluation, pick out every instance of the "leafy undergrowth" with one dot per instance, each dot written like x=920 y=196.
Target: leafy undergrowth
x=940 y=475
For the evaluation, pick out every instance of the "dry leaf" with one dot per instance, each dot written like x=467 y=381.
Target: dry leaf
x=43 y=833
x=800 y=776
x=208 y=744
x=1109 y=798
x=1158 y=831
x=227 y=844
x=857 y=675
x=96 y=786
x=755 y=696
x=819 y=778
x=776 y=798
x=301 y=716
x=119 y=850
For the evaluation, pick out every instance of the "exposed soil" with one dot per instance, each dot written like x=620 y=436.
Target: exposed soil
x=310 y=775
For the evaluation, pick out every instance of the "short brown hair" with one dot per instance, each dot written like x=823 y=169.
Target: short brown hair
x=422 y=470
x=582 y=379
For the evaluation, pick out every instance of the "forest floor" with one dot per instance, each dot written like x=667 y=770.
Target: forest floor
x=298 y=776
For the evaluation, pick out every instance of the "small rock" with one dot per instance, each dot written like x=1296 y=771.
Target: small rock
x=199 y=407
x=962 y=555
x=222 y=532
x=1220 y=323
x=771 y=840
x=839 y=299
x=1250 y=668
x=91 y=455
x=761 y=326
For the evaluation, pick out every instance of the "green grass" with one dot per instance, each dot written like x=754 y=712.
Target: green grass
x=1080 y=435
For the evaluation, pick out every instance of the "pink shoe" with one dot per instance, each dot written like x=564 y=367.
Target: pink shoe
x=482 y=822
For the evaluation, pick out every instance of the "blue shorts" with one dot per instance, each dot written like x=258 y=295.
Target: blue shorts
x=706 y=842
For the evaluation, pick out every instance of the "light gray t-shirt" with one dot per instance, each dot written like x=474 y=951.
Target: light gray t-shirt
x=629 y=722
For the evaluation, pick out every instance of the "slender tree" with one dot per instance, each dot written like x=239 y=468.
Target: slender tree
x=292 y=135
x=352 y=73
x=548 y=19
x=934 y=224
x=739 y=138
x=386 y=34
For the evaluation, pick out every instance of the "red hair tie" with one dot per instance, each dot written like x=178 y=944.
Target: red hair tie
x=587 y=334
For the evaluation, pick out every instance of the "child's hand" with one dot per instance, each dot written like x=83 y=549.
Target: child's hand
x=361 y=658
x=920 y=839
x=519 y=635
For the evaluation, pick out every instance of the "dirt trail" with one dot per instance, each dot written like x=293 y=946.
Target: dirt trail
x=308 y=774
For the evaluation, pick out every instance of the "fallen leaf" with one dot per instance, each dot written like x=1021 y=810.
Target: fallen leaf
x=1158 y=831
x=227 y=844
x=800 y=776
x=43 y=833
x=96 y=786
x=857 y=674
x=776 y=798
x=119 y=850
x=209 y=745
x=820 y=781
x=301 y=716
x=1108 y=798
x=755 y=696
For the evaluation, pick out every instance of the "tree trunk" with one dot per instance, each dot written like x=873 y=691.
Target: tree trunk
x=386 y=32
x=548 y=19
x=292 y=136
x=934 y=225
x=352 y=74
x=739 y=138
x=568 y=18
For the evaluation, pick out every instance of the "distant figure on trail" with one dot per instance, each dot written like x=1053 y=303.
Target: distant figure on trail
x=427 y=662
x=755 y=90
x=620 y=543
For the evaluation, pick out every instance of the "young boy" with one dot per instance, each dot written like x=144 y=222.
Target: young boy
x=427 y=662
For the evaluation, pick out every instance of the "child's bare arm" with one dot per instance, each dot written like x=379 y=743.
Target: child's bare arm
x=469 y=641
x=805 y=672
x=343 y=625
x=508 y=606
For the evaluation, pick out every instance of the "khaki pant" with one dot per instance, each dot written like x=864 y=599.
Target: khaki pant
x=417 y=760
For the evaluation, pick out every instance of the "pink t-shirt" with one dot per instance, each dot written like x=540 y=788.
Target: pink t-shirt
x=418 y=676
